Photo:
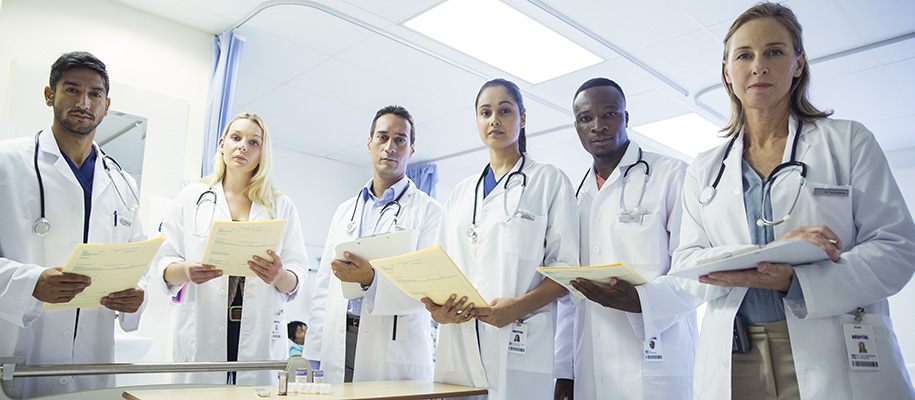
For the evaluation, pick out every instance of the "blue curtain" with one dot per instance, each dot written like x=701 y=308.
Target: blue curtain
x=227 y=49
x=425 y=176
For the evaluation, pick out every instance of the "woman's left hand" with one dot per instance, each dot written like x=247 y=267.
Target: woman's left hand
x=502 y=311
x=268 y=271
x=776 y=276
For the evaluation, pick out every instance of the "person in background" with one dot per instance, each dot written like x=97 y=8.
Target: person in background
x=790 y=173
x=232 y=318
x=61 y=190
x=499 y=227
x=295 y=330
x=380 y=333
x=629 y=210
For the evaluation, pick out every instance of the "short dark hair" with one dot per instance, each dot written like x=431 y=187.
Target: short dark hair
x=293 y=326
x=594 y=82
x=77 y=59
x=515 y=92
x=400 y=112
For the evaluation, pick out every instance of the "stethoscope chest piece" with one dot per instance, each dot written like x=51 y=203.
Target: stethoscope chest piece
x=350 y=227
x=472 y=234
x=41 y=227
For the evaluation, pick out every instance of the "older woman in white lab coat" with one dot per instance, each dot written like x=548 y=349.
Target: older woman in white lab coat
x=849 y=204
x=240 y=189
x=499 y=227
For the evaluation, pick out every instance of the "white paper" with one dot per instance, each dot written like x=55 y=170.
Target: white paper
x=231 y=244
x=602 y=274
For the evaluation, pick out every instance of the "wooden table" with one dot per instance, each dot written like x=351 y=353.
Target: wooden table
x=338 y=391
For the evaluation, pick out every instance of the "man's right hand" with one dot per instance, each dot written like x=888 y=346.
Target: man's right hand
x=56 y=286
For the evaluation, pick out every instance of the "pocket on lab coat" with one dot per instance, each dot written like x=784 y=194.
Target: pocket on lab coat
x=523 y=236
x=538 y=356
x=640 y=244
x=829 y=205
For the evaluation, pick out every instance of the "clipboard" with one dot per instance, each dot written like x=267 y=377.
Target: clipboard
x=598 y=273
x=382 y=245
x=794 y=252
x=429 y=273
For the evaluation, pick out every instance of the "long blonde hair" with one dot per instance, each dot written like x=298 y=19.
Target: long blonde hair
x=799 y=103
x=260 y=187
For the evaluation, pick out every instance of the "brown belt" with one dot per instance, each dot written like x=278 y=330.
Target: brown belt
x=235 y=313
x=352 y=321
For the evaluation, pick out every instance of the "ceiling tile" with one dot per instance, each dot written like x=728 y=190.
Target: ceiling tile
x=311 y=27
x=561 y=90
x=653 y=106
x=260 y=56
x=250 y=86
x=693 y=61
x=393 y=10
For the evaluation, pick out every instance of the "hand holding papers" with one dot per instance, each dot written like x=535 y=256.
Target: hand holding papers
x=112 y=268
x=429 y=273
x=793 y=252
x=231 y=244
x=602 y=274
x=370 y=248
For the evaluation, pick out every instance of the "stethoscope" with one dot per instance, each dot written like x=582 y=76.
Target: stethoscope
x=707 y=194
x=627 y=215
x=203 y=199
x=509 y=184
x=42 y=226
x=351 y=226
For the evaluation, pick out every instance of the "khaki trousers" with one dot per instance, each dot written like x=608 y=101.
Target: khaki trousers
x=767 y=371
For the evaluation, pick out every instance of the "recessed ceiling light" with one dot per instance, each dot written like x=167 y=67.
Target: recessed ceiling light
x=689 y=134
x=503 y=37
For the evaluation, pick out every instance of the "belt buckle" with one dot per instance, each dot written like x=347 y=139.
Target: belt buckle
x=355 y=321
x=235 y=313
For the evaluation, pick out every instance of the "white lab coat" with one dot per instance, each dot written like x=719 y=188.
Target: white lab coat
x=609 y=344
x=378 y=356
x=201 y=323
x=503 y=262
x=877 y=233
x=46 y=337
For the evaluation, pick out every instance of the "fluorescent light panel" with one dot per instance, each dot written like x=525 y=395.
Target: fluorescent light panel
x=501 y=36
x=689 y=134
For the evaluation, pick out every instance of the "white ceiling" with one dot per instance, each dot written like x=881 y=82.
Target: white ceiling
x=318 y=70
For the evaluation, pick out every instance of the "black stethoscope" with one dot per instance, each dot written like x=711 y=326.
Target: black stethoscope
x=351 y=226
x=472 y=231
x=42 y=226
x=707 y=194
x=627 y=215
x=204 y=198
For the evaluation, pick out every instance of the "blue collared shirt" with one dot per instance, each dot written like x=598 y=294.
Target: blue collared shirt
x=762 y=305
x=372 y=207
x=84 y=175
x=490 y=182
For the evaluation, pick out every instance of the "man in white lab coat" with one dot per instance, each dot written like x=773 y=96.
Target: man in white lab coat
x=382 y=334
x=633 y=342
x=79 y=196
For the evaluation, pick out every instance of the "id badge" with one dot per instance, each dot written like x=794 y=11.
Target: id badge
x=518 y=338
x=653 y=350
x=861 y=347
x=631 y=218
x=276 y=333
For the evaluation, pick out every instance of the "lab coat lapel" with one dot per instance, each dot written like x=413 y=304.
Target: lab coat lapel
x=222 y=206
x=100 y=179
x=802 y=145
x=51 y=152
x=731 y=185
x=258 y=212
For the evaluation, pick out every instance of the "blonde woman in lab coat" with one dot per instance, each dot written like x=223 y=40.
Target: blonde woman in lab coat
x=222 y=318
x=498 y=227
x=799 y=317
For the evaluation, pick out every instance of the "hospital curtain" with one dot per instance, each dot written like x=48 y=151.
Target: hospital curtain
x=425 y=176
x=227 y=49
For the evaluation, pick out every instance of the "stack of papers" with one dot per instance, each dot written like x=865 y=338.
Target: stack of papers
x=232 y=244
x=370 y=248
x=602 y=274
x=112 y=268
x=429 y=273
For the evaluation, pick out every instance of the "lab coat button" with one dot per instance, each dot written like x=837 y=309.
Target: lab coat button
x=222 y=329
x=341 y=331
x=597 y=216
x=734 y=304
x=596 y=249
x=67 y=333
x=222 y=292
x=737 y=190
x=725 y=363
x=75 y=209
x=64 y=380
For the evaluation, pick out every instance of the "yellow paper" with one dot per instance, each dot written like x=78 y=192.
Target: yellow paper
x=112 y=268
x=429 y=273
x=600 y=273
x=231 y=244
